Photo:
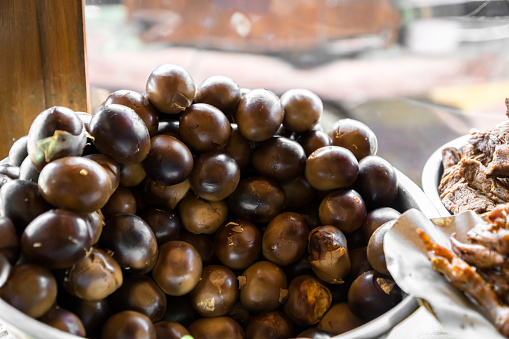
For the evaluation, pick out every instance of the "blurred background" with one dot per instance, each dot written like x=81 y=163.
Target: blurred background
x=418 y=72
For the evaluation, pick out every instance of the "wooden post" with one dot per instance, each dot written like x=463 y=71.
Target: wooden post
x=42 y=62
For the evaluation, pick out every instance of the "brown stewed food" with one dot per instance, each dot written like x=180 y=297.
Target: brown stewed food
x=476 y=176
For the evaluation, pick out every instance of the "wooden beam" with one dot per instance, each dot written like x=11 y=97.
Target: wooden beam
x=42 y=64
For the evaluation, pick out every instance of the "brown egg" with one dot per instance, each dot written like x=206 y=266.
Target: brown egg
x=216 y=293
x=140 y=293
x=132 y=175
x=169 y=161
x=93 y=278
x=165 y=195
x=9 y=241
x=56 y=239
x=178 y=268
x=31 y=289
x=303 y=109
x=354 y=135
x=64 y=320
x=164 y=223
x=202 y=216
x=170 y=330
x=239 y=148
x=238 y=244
x=263 y=287
x=308 y=300
x=285 y=239
x=257 y=199
x=216 y=328
x=21 y=202
x=132 y=241
x=332 y=167
x=169 y=127
x=339 y=319
x=170 y=88
x=204 y=128
x=270 y=325
x=375 y=249
x=119 y=132
x=360 y=263
x=203 y=243
x=111 y=166
x=93 y=314
x=313 y=140
x=138 y=103
x=121 y=201
x=75 y=183
x=215 y=176
x=279 y=158
x=55 y=133
x=18 y=151
x=298 y=192
x=377 y=182
x=372 y=294
x=220 y=92
x=376 y=218
x=328 y=254
x=128 y=325
x=343 y=208
x=259 y=115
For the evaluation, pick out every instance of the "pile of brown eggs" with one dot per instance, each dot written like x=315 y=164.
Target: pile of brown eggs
x=209 y=210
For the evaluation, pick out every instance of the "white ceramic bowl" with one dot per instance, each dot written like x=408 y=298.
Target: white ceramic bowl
x=432 y=174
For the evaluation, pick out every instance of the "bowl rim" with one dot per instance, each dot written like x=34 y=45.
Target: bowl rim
x=385 y=322
x=433 y=170
x=32 y=328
